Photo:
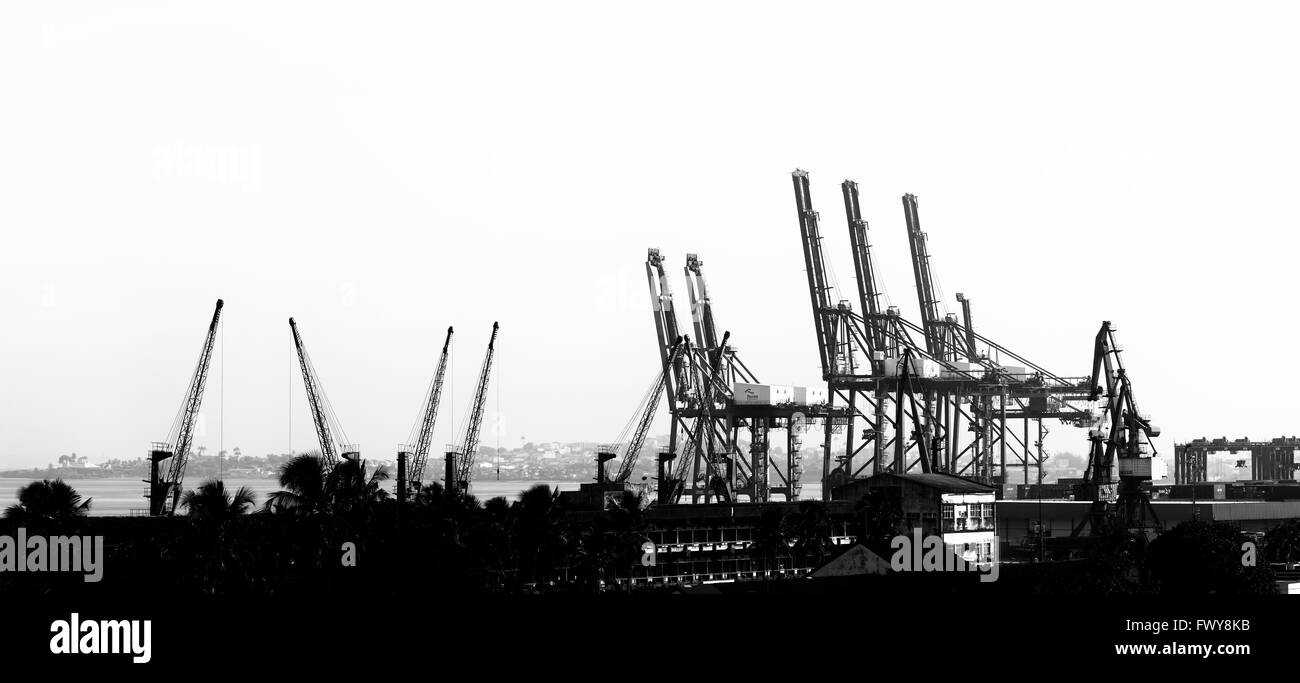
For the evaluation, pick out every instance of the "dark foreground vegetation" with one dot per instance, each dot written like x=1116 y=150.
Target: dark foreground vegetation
x=336 y=529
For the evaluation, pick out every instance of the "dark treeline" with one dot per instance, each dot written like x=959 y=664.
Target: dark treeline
x=444 y=544
x=295 y=541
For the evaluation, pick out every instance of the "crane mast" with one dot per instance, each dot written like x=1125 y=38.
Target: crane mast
x=461 y=462
x=925 y=293
x=818 y=287
x=706 y=332
x=863 y=267
x=1120 y=435
x=420 y=449
x=970 y=326
x=165 y=491
x=661 y=304
x=321 y=415
x=633 y=449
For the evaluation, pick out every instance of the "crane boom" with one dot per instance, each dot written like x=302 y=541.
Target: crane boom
x=706 y=332
x=818 y=286
x=316 y=400
x=469 y=444
x=420 y=453
x=863 y=266
x=926 y=296
x=164 y=494
x=634 y=445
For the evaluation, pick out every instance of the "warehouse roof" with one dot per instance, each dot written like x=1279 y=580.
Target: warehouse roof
x=946 y=483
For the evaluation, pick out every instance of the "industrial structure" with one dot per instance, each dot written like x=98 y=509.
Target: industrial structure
x=329 y=431
x=1269 y=460
x=460 y=458
x=412 y=456
x=164 y=487
x=704 y=460
x=939 y=397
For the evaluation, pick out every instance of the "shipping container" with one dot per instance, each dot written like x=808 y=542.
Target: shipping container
x=745 y=394
x=962 y=370
x=781 y=393
x=1017 y=372
x=920 y=367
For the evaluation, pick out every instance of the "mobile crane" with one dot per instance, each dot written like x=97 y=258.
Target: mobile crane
x=322 y=413
x=165 y=487
x=413 y=456
x=460 y=459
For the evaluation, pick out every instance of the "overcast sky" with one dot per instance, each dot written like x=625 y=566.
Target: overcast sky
x=382 y=171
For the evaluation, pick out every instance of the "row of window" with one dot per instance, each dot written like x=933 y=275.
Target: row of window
x=968 y=517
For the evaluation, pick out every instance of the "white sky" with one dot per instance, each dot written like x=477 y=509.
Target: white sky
x=382 y=172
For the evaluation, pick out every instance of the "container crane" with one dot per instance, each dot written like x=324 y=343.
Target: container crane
x=165 y=488
x=460 y=461
x=953 y=380
x=322 y=413
x=412 y=458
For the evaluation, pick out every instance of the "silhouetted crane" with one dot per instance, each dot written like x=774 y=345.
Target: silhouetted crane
x=460 y=461
x=165 y=489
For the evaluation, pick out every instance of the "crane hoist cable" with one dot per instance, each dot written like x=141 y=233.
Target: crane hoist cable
x=165 y=489
x=468 y=448
x=323 y=416
x=421 y=436
x=643 y=418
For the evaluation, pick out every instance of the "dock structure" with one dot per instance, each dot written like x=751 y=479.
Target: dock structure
x=1270 y=460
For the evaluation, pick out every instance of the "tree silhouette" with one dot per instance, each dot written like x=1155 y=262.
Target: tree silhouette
x=47 y=500
x=1200 y=557
x=309 y=486
x=211 y=502
x=1282 y=542
x=302 y=483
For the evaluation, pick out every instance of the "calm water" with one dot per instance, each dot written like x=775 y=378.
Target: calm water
x=126 y=496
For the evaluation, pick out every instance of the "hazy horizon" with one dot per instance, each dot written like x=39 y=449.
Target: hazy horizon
x=383 y=175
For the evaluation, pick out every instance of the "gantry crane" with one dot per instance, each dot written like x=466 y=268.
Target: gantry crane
x=460 y=460
x=323 y=417
x=413 y=456
x=1119 y=461
x=706 y=424
x=165 y=488
x=860 y=357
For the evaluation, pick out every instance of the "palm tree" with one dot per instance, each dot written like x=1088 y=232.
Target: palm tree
x=537 y=534
x=310 y=486
x=302 y=481
x=350 y=486
x=48 y=500
x=212 y=503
